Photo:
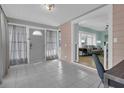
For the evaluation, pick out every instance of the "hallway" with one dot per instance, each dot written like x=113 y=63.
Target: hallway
x=52 y=74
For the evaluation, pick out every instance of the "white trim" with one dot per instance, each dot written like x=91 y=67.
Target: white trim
x=34 y=27
x=45 y=44
x=110 y=38
x=72 y=42
x=28 y=44
x=105 y=57
x=52 y=29
x=16 y=24
x=58 y=44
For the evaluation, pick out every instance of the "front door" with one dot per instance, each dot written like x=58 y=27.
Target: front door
x=37 y=45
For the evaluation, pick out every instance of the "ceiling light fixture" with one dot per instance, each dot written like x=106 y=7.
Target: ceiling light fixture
x=49 y=7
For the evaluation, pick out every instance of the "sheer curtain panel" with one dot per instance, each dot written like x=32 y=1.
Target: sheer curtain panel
x=51 y=44
x=18 y=45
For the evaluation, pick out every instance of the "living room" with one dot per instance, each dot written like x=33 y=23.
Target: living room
x=89 y=43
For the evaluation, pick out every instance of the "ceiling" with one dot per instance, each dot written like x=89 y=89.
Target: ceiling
x=37 y=13
x=96 y=20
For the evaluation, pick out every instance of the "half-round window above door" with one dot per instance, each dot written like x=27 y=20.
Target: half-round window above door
x=37 y=33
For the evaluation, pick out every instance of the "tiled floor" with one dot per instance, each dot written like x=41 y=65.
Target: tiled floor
x=52 y=74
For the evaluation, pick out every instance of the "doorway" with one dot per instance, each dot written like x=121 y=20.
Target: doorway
x=92 y=33
x=36 y=45
x=94 y=42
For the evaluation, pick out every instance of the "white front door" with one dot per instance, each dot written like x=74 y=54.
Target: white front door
x=37 y=45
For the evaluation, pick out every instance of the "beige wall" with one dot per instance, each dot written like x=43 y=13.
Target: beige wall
x=66 y=42
x=118 y=32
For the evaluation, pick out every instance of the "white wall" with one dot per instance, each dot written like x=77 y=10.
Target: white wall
x=0 y=52
x=3 y=45
x=75 y=42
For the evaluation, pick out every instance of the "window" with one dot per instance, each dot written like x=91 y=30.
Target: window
x=17 y=44
x=51 y=44
x=86 y=39
x=89 y=41
x=37 y=33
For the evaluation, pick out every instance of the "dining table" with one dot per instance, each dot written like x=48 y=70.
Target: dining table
x=116 y=74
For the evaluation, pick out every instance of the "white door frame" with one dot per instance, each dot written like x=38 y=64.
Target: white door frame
x=110 y=35
x=28 y=42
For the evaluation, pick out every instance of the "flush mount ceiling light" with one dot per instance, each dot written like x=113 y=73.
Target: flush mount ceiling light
x=50 y=7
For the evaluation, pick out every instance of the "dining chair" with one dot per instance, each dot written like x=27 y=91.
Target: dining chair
x=101 y=71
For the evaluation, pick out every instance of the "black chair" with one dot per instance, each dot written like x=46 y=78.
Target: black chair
x=101 y=71
x=84 y=52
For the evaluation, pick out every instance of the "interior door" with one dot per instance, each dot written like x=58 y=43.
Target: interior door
x=37 y=45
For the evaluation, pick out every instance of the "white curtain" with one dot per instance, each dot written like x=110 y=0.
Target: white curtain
x=18 y=45
x=51 y=44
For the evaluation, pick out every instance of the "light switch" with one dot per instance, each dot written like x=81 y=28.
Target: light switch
x=115 y=40
x=65 y=45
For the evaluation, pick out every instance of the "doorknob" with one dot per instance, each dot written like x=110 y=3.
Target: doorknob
x=30 y=45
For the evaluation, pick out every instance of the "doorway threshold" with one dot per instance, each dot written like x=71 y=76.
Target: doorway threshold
x=87 y=67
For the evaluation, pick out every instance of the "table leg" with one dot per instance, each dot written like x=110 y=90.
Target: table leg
x=0 y=81
x=106 y=83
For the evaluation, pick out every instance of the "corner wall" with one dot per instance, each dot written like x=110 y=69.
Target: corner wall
x=4 y=48
x=66 y=42
x=118 y=33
